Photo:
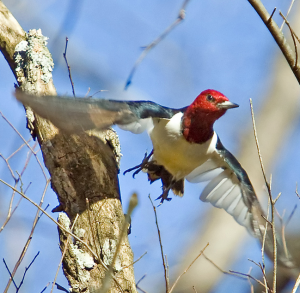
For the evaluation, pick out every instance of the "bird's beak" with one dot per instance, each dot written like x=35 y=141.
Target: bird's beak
x=227 y=105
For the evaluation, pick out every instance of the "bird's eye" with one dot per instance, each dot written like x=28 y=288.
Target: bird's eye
x=210 y=98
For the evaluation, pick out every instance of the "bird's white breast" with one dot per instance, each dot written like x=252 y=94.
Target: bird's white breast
x=173 y=151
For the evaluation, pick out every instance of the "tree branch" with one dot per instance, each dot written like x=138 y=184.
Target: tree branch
x=277 y=35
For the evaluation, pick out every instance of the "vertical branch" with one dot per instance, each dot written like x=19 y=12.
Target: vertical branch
x=69 y=68
x=272 y=202
x=161 y=248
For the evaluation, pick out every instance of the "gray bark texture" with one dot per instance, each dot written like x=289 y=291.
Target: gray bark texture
x=83 y=172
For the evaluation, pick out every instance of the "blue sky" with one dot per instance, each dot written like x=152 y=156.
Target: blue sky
x=221 y=45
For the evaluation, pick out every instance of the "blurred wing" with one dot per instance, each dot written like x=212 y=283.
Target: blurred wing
x=75 y=115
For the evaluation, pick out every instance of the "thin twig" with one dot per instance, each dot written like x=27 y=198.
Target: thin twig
x=106 y=281
x=91 y=226
x=29 y=155
x=289 y=10
x=33 y=152
x=26 y=270
x=249 y=281
x=248 y=276
x=95 y=244
x=69 y=68
x=179 y=19
x=63 y=254
x=284 y=225
x=296 y=191
x=133 y=262
x=168 y=271
x=8 y=166
x=264 y=241
x=272 y=202
x=137 y=284
x=35 y=221
x=45 y=287
x=291 y=215
x=10 y=212
x=161 y=247
x=59 y=225
x=277 y=35
x=272 y=14
x=267 y=221
x=258 y=150
x=10 y=273
x=293 y=37
x=175 y=283
x=16 y=151
x=275 y=200
x=296 y=284
x=220 y=269
x=262 y=268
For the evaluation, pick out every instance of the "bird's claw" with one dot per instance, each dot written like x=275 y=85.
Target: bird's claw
x=164 y=196
x=141 y=166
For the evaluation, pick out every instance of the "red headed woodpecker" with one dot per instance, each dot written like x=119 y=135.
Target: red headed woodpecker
x=185 y=146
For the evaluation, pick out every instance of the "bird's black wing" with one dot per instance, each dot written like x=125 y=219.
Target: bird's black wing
x=75 y=115
x=230 y=188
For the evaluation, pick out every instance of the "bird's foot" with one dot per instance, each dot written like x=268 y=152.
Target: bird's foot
x=164 y=196
x=141 y=166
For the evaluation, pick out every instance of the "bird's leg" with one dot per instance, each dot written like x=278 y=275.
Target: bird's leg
x=166 y=189
x=141 y=166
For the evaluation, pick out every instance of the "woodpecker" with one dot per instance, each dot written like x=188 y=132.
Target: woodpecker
x=185 y=147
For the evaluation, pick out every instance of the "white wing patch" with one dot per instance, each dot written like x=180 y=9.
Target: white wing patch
x=138 y=126
x=204 y=172
x=224 y=192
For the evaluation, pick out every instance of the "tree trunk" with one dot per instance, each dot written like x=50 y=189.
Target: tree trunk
x=83 y=169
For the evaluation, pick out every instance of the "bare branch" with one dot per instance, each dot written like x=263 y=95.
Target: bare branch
x=36 y=219
x=59 y=225
x=272 y=14
x=161 y=247
x=248 y=276
x=293 y=37
x=272 y=202
x=277 y=35
x=175 y=283
x=221 y=270
x=69 y=68
x=137 y=284
x=132 y=205
x=63 y=254
x=178 y=20
x=134 y=261
x=296 y=284
x=31 y=149
x=289 y=10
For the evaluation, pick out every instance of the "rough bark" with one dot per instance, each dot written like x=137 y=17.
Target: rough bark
x=81 y=167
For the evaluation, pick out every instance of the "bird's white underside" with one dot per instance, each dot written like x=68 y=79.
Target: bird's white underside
x=196 y=163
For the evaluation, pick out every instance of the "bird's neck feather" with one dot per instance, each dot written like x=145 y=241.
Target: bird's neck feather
x=197 y=125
